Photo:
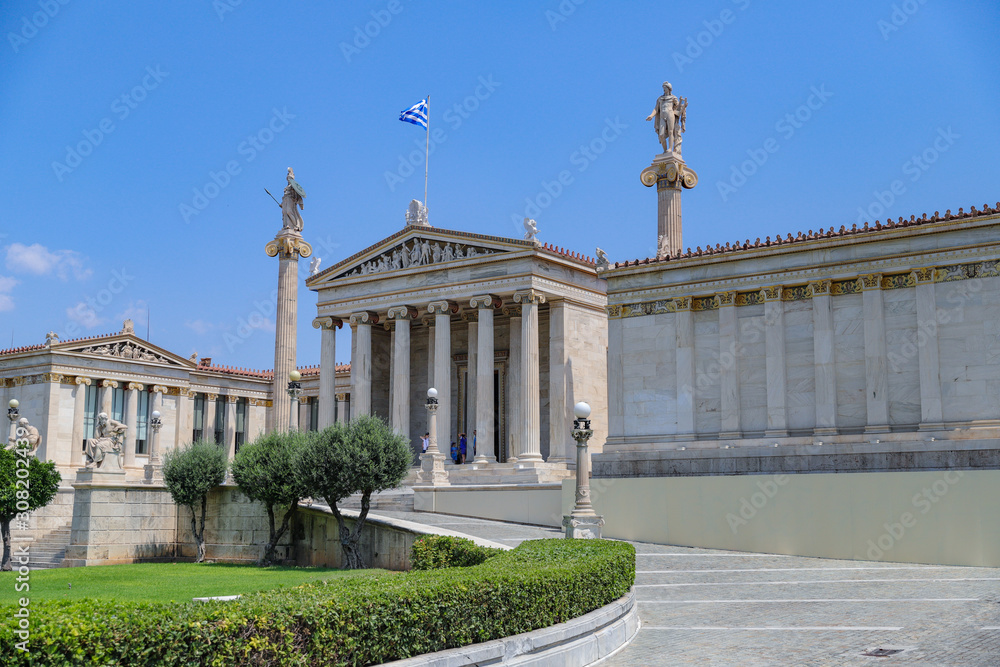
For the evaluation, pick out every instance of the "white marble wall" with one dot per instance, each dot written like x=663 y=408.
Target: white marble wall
x=849 y=361
x=708 y=373
x=800 y=370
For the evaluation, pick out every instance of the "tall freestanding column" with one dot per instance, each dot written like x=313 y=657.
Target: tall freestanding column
x=208 y=419
x=514 y=388
x=131 y=421
x=441 y=380
x=79 y=407
x=484 y=378
x=402 y=315
x=473 y=369
x=287 y=246
x=531 y=446
x=327 y=368
x=669 y=173
x=361 y=362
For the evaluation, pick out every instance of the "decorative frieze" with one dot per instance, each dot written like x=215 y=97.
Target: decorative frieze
x=417 y=252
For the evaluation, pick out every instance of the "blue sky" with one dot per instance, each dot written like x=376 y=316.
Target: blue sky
x=138 y=138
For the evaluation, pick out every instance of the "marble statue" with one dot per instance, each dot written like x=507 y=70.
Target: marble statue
x=669 y=118
x=530 y=230
x=416 y=214
x=105 y=450
x=314 y=265
x=51 y=337
x=421 y=252
x=662 y=247
x=291 y=203
x=31 y=435
x=602 y=259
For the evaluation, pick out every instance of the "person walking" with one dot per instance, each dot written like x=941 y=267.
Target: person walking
x=463 y=445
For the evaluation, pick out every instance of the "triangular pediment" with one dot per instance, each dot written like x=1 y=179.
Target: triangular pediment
x=419 y=247
x=126 y=347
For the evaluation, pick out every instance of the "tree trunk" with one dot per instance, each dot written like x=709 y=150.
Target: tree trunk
x=5 y=565
x=277 y=534
x=199 y=536
x=349 y=538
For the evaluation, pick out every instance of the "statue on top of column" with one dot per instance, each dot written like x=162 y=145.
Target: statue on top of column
x=669 y=118
x=291 y=202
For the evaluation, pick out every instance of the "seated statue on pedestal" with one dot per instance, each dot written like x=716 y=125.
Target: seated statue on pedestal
x=30 y=434
x=104 y=452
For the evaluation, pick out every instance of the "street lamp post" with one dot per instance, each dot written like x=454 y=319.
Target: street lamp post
x=153 y=469
x=432 y=461
x=294 y=391
x=583 y=522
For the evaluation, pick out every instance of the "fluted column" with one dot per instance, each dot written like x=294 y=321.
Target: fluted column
x=729 y=377
x=230 y=432
x=442 y=312
x=104 y=399
x=514 y=388
x=931 y=411
x=361 y=362
x=686 y=374
x=876 y=378
x=327 y=367
x=531 y=446
x=79 y=415
x=825 y=371
x=184 y=428
x=208 y=423
x=484 y=377
x=156 y=404
x=473 y=369
x=131 y=421
x=402 y=315
x=774 y=361
x=342 y=407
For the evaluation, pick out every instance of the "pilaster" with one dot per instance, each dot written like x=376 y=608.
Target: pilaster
x=823 y=359
x=774 y=347
x=931 y=412
x=686 y=375
x=729 y=376
x=876 y=378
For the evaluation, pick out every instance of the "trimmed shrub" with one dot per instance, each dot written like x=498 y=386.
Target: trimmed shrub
x=361 y=621
x=438 y=551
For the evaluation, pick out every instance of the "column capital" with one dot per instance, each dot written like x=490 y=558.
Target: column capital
x=55 y=378
x=328 y=323
x=442 y=307
x=212 y=397
x=110 y=384
x=529 y=296
x=512 y=310
x=232 y=398
x=819 y=288
x=403 y=313
x=288 y=245
x=135 y=386
x=470 y=315
x=187 y=392
x=160 y=389
x=342 y=397
x=365 y=317
x=485 y=301
x=871 y=281
x=725 y=299
x=770 y=293
x=925 y=275
x=82 y=380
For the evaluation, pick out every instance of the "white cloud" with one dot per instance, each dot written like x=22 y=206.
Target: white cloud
x=38 y=260
x=83 y=315
x=200 y=327
x=6 y=286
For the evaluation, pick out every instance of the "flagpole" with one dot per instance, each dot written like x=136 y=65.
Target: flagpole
x=427 y=151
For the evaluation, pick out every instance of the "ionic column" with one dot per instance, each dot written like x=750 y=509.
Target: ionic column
x=131 y=421
x=931 y=412
x=514 y=383
x=686 y=377
x=876 y=378
x=79 y=415
x=184 y=428
x=560 y=400
x=824 y=369
x=473 y=369
x=531 y=446
x=104 y=398
x=155 y=455
x=774 y=361
x=327 y=367
x=484 y=377
x=361 y=362
x=230 y=432
x=729 y=376
x=208 y=423
x=402 y=315
x=341 y=407
x=442 y=312
x=49 y=430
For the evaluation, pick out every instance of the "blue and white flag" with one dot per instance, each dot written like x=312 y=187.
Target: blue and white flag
x=417 y=114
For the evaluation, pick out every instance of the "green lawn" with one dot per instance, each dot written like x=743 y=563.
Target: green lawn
x=163 y=582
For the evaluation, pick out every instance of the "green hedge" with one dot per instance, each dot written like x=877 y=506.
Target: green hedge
x=437 y=551
x=361 y=621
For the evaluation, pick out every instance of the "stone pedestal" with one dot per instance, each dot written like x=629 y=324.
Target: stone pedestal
x=583 y=527
x=669 y=173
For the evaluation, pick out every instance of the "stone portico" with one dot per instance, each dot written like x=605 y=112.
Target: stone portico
x=510 y=332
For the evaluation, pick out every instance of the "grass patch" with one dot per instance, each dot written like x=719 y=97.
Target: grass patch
x=168 y=582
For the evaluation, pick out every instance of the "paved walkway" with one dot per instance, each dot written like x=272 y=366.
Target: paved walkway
x=707 y=607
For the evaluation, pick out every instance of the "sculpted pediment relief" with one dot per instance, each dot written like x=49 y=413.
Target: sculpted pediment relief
x=417 y=251
x=129 y=350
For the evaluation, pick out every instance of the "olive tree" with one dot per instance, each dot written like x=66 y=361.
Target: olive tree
x=26 y=484
x=190 y=473
x=364 y=457
x=263 y=470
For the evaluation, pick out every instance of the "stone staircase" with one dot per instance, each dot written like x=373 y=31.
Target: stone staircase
x=49 y=550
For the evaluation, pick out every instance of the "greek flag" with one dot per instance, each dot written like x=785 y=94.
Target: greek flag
x=417 y=114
